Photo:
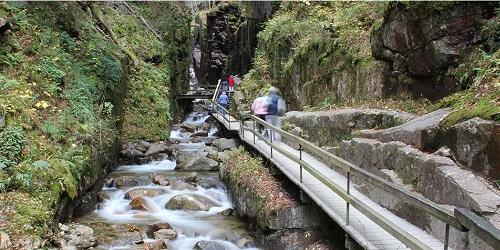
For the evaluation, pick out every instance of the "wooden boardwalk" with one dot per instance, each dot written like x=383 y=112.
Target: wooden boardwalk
x=361 y=228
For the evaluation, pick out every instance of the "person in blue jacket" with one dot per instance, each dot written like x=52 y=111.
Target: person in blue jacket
x=276 y=108
x=224 y=100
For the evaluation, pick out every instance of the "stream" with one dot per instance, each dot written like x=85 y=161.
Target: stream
x=117 y=226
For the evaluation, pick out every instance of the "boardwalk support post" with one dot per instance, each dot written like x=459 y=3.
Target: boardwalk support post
x=300 y=157
x=253 y=132
x=446 y=236
x=348 y=193
x=271 y=144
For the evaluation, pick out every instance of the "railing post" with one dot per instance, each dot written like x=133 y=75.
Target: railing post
x=253 y=131
x=348 y=192
x=271 y=145
x=300 y=157
x=446 y=236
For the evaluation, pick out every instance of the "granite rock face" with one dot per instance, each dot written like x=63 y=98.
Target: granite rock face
x=421 y=43
x=475 y=144
x=419 y=132
x=330 y=128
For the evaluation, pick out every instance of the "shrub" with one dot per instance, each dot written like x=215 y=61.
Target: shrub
x=12 y=142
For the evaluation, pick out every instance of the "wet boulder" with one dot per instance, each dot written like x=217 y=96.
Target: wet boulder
x=195 y=161
x=181 y=185
x=75 y=236
x=156 y=148
x=126 y=181
x=155 y=227
x=159 y=180
x=155 y=245
x=139 y=203
x=193 y=202
x=193 y=177
x=143 y=192
x=188 y=127
x=225 y=144
x=200 y=134
x=165 y=234
x=209 y=245
x=226 y=212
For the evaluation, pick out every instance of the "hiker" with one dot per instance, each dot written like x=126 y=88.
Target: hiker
x=225 y=84
x=275 y=108
x=259 y=109
x=224 y=101
x=230 y=81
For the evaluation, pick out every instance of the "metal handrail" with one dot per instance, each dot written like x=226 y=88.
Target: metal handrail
x=414 y=199
x=225 y=115
x=216 y=92
x=459 y=221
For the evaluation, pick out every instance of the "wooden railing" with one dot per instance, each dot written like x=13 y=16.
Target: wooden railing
x=480 y=227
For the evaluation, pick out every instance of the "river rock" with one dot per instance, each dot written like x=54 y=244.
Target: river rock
x=419 y=132
x=200 y=134
x=193 y=202
x=226 y=212
x=155 y=227
x=165 y=234
x=245 y=242
x=193 y=177
x=195 y=161
x=5 y=243
x=76 y=235
x=156 y=148
x=225 y=144
x=188 y=127
x=155 y=245
x=143 y=192
x=208 y=245
x=139 y=203
x=159 y=180
x=126 y=181
x=181 y=185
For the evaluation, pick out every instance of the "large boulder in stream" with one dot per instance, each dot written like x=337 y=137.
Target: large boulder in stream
x=143 y=192
x=225 y=144
x=195 y=161
x=193 y=202
x=156 y=148
x=126 y=181
x=75 y=236
x=139 y=203
x=209 y=245
x=156 y=227
x=165 y=234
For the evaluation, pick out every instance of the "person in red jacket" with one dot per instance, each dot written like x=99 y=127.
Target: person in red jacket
x=230 y=80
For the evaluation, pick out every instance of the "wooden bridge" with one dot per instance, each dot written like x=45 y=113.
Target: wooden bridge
x=368 y=223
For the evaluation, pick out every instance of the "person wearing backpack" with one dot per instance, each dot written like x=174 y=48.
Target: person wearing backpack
x=276 y=108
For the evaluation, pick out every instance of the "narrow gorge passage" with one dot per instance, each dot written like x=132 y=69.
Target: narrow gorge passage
x=137 y=202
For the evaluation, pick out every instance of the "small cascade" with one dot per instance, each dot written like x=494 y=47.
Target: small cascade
x=118 y=223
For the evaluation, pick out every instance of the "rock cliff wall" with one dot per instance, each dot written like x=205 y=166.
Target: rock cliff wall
x=225 y=39
x=421 y=42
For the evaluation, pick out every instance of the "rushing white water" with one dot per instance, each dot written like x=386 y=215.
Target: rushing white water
x=192 y=226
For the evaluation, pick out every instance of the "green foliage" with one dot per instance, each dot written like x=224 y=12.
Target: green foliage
x=12 y=142
x=305 y=44
x=63 y=82
x=147 y=107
